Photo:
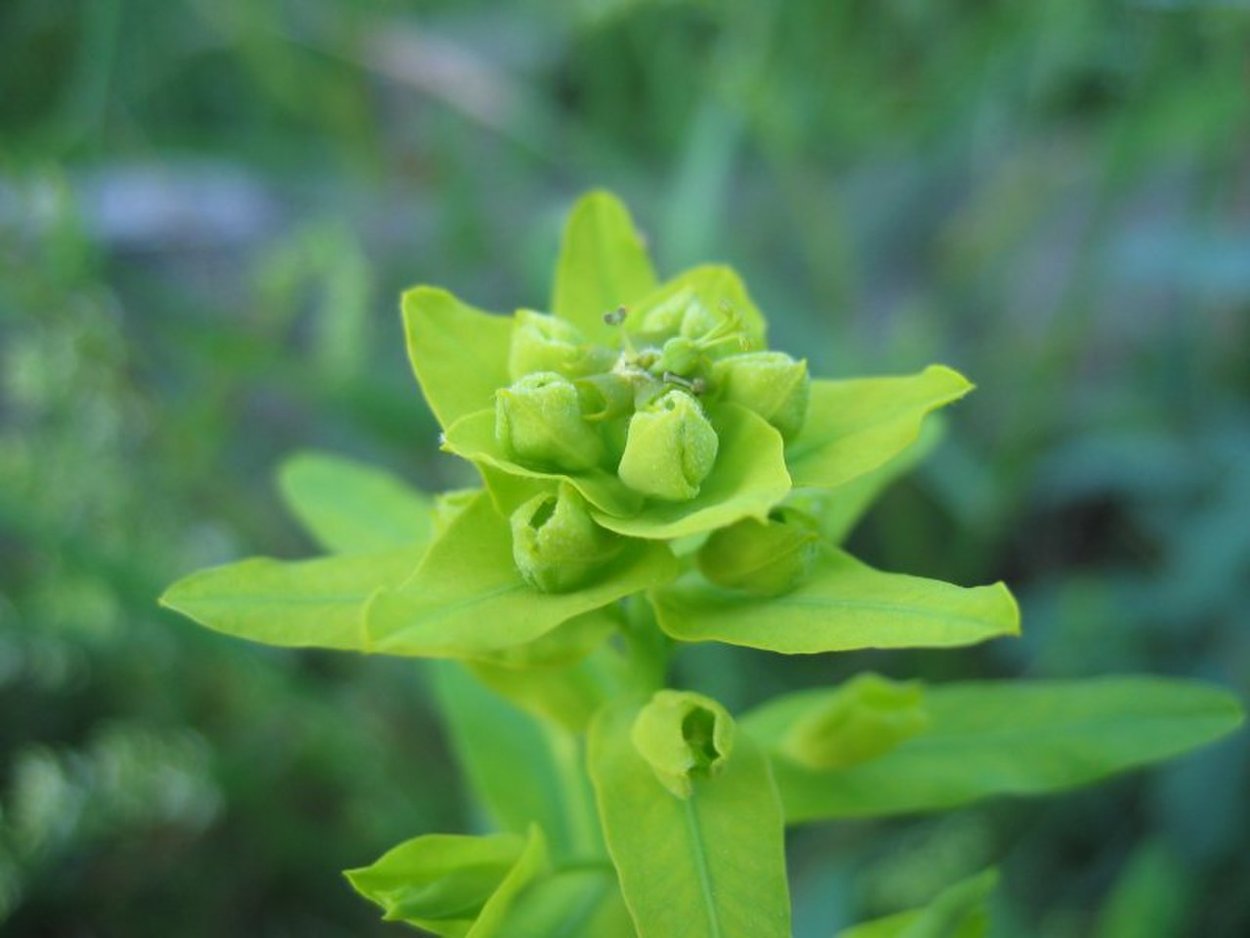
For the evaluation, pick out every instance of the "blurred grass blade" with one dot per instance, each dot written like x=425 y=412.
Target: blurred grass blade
x=961 y=911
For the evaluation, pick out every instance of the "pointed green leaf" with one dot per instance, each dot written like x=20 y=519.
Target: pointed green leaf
x=1018 y=738
x=579 y=903
x=961 y=911
x=603 y=264
x=349 y=507
x=844 y=605
x=1151 y=897
x=521 y=771
x=459 y=354
x=466 y=598
x=453 y=885
x=711 y=865
x=719 y=288
x=840 y=509
x=302 y=603
x=854 y=426
x=748 y=479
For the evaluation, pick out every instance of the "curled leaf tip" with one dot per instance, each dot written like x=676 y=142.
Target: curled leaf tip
x=866 y=718
x=683 y=736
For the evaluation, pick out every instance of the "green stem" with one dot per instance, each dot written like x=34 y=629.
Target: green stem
x=585 y=838
x=647 y=646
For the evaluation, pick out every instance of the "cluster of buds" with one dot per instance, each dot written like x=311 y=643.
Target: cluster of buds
x=644 y=411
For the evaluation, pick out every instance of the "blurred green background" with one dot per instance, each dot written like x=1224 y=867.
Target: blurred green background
x=208 y=208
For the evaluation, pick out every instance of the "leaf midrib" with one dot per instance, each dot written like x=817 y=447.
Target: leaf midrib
x=702 y=868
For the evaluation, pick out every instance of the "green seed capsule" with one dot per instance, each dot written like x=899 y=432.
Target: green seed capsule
x=556 y=545
x=545 y=343
x=670 y=448
x=866 y=718
x=680 y=356
x=683 y=736
x=762 y=558
x=538 y=421
x=772 y=384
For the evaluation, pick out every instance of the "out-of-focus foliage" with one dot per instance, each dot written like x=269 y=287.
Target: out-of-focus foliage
x=207 y=211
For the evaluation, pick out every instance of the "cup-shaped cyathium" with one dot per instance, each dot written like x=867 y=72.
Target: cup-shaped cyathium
x=773 y=384
x=763 y=558
x=556 y=545
x=539 y=423
x=670 y=448
x=683 y=736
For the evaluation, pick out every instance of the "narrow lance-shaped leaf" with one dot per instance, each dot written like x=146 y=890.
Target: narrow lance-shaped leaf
x=349 y=507
x=960 y=911
x=467 y=598
x=603 y=264
x=459 y=354
x=301 y=603
x=843 y=605
x=521 y=771
x=854 y=426
x=578 y=903
x=710 y=864
x=986 y=739
x=454 y=886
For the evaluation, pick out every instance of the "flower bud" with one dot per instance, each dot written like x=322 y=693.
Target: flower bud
x=683 y=736
x=556 y=545
x=538 y=421
x=545 y=343
x=772 y=384
x=680 y=314
x=762 y=558
x=865 y=718
x=669 y=449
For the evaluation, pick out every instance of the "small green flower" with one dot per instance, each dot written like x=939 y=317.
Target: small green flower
x=539 y=421
x=772 y=384
x=670 y=448
x=762 y=558
x=683 y=736
x=555 y=544
x=545 y=343
x=866 y=718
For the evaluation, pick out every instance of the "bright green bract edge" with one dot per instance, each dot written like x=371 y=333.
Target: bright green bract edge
x=843 y=605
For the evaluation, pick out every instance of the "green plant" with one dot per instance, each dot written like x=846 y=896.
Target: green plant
x=652 y=474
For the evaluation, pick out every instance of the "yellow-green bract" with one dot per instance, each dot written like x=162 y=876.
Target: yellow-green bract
x=652 y=473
